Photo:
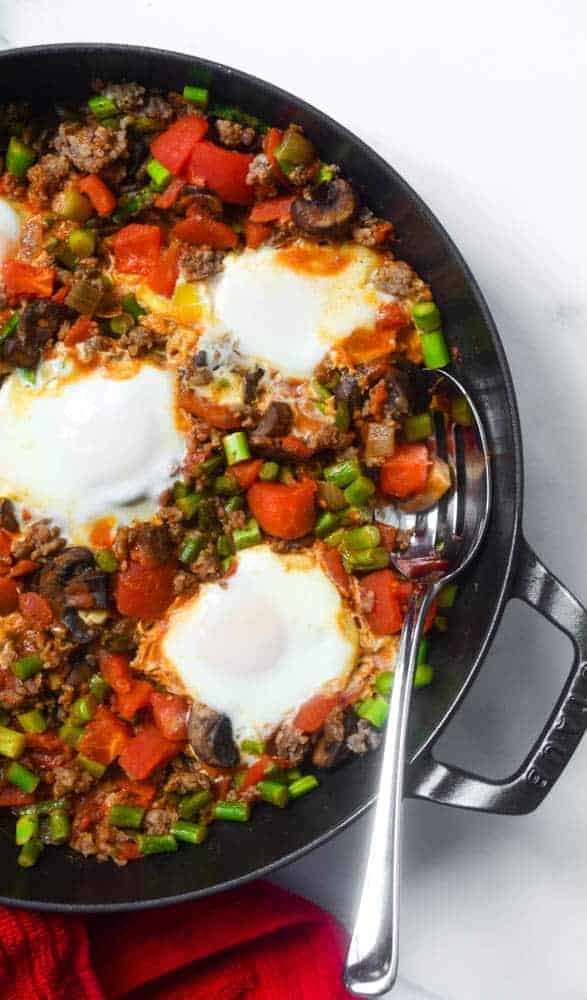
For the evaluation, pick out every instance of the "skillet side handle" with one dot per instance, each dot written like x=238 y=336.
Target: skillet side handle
x=526 y=788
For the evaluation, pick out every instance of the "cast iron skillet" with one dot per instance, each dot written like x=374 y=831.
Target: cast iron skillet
x=506 y=567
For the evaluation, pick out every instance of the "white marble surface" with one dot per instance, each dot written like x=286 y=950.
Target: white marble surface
x=481 y=108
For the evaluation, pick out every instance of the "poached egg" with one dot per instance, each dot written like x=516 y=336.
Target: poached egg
x=9 y=229
x=258 y=644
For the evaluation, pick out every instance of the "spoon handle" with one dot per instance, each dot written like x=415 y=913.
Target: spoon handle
x=372 y=959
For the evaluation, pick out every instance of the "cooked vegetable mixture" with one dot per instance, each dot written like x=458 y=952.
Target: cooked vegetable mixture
x=210 y=407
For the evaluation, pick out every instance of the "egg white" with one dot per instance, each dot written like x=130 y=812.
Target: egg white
x=260 y=644
x=77 y=445
x=9 y=229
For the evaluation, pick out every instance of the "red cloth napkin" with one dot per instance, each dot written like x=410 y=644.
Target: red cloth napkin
x=253 y=943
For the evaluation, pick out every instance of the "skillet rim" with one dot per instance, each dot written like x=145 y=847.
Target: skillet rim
x=26 y=55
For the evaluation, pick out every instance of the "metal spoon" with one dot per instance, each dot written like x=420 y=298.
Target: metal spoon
x=444 y=541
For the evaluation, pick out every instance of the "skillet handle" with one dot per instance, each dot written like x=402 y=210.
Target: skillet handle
x=524 y=790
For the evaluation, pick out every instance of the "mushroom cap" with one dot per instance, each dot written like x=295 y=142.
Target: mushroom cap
x=330 y=209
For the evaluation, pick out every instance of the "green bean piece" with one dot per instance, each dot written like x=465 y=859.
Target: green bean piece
x=28 y=374
x=231 y=114
x=12 y=743
x=294 y=150
x=192 y=547
x=149 y=844
x=190 y=833
x=256 y=747
x=269 y=472
x=342 y=417
x=4 y=716
x=121 y=324
x=426 y=316
x=59 y=826
x=101 y=106
x=343 y=473
x=336 y=538
x=73 y=206
x=189 y=504
x=20 y=776
x=93 y=767
x=243 y=538
x=418 y=427
x=29 y=853
x=369 y=559
x=83 y=710
x=196 y=95
x=27 y=666
x=366 y=537
x=424 y=675
x=320 y=391
x=441 y=623
x=180 y=490
x=82 y=243
x=359 y=491
x=207 y=518
x=303 y=785
x=236 y=447
x=130 y=817
x=237 y=812
x=106 y=560
x=223 y=546
x=434 y=349
x=142 y=123
x=384 y=682
x=326 y=523
x=286 y=475
x=274 y=793
x=422 y=654
x=131 y=306
x=226 y=563
x=276 y=773
x=33 y=721
x=293 y=774
x=374 y=710
x=233 y=503
x=112 y=122
x=447 y=595
x=10 y=326
x=27 y=828
x=208 y=466
x=44 y=808
x=70 y=734
x=19 y=157
x=193 y=802
x=160 y=175
x=460 y=411
x=325 y=174
x=226 y=485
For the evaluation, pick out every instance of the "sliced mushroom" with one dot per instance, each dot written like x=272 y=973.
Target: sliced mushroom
x=438 y=483
x=397 y=383
x=252 y=380
x=276 y=421
x=39 y=321
x=81 y=632
x=332 y=749
x=348 y=390
x=330 y=209
x=210 y=735
x=8 y=515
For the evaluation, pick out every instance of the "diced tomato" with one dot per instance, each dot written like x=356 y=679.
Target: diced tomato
x=380 y=587
x=137 y=248
x=332 y=562
x=48 y=742
x=60 y=295
x=256 y=233
x=146 y=751
x=163 y=276
x=100 y=196
x=128 y=703
x=203 y=229
x=36 y=609
x=170 y=714
x=172 y=192
x=129 y=850
x=105 y=737
x=143 y=591
x=5 y=542
x=221 y=417
x=388 y=535
x=272 y=141
x=82 y=329
x=246 y=472
x=173 y=147
x=429 y=622
x=222 y=170
x=284 y=511
x=391 y=316
x=8 y=596
x=25 y=279
x=313 y=714
x=257 y=771
x=115 y=669
x=23 y=567
x=15 y=797
x=140 y=791
x=272 y=209
x=102 y=533
x=406 y=471
x=295 y=446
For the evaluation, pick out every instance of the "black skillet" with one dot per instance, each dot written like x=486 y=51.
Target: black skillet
x=506 y=567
